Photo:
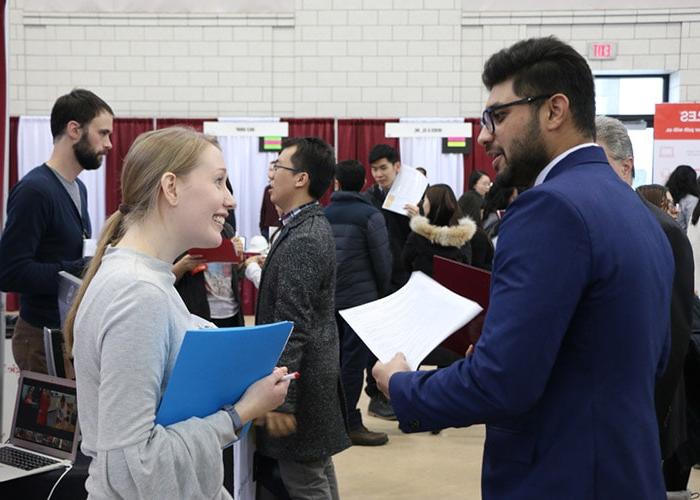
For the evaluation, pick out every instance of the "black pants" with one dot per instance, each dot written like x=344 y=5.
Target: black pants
x=676 y=475
x=355 y=357
x=236 y=320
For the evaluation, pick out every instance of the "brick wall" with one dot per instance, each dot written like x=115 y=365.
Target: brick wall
x=343 y=58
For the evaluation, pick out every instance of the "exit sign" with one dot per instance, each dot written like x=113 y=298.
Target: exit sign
x=602 y=50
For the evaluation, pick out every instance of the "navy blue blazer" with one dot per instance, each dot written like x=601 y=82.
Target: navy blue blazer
x=576 y=333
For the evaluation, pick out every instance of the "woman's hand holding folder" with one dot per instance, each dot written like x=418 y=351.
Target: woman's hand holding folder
x=263 y=396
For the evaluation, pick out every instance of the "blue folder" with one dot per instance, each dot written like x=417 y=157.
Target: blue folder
x=216 y=365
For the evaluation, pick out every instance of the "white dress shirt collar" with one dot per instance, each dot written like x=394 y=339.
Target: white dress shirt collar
x=545 y=171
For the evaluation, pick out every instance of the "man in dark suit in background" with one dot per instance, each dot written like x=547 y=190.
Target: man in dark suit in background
x=578 y=324
x=612 y=136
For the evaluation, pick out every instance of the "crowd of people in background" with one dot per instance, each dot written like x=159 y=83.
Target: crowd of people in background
x=142 y=287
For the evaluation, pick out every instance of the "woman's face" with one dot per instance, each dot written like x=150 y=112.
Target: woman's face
x=671 y=208
x=205 y=201
x=483 y=185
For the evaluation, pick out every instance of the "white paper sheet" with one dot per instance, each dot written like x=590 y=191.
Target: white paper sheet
x=408 y=187
x=413 y=320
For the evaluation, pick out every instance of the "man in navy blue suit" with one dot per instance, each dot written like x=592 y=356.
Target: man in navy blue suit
x=578 y=325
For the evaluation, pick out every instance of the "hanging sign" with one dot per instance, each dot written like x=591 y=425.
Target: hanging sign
x=676 y=138
x=427 y=129
x=247 y=129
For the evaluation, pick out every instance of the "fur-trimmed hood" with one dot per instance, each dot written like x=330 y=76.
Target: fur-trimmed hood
x=446 y=236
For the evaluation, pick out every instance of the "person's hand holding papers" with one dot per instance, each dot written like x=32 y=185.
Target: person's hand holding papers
x=238 y=245
x=411 y=209
x=382 y=372
x=423 y=314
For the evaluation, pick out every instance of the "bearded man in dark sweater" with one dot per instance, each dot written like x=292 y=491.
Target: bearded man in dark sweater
x=47 y=220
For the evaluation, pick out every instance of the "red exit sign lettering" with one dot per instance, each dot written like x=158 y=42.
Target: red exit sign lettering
x=602 y=50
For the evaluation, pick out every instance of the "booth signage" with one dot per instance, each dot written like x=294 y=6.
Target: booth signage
x=247 y=129
x=428 y=129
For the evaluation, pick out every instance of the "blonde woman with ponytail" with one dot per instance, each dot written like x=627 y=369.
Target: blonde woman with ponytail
x=127 y=324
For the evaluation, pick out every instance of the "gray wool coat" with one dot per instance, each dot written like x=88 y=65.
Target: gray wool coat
x=298 y=284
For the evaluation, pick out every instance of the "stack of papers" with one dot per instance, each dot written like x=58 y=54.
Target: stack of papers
x=408 y=187
x=414 y=320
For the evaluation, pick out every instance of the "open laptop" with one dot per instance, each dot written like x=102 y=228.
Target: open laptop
x=44 y=433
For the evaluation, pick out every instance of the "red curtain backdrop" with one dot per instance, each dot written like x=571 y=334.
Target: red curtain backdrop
x=12 y=153
x=323 y=128
x=195 y=123
x=477 y=159
x=356 y=138
x=125 y=131
x=12 y=300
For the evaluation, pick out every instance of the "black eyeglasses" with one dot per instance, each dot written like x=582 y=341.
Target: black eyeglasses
x=487 y=116
x=276 y=166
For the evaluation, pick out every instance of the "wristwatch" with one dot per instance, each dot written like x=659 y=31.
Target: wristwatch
x=235 y=418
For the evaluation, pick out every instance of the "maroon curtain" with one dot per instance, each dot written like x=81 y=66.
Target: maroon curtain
x=477 y=159
x=195 y=123
x=323 y=128
x=12 y=153
x=356 y=138
x=125 y=131
x=12 y=300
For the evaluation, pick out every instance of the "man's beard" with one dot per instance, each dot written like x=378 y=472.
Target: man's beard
x=527 y=158
x=88 y=158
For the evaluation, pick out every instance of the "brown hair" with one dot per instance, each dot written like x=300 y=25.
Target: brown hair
x=152 y=155
x=444 y=209
x=655 y=194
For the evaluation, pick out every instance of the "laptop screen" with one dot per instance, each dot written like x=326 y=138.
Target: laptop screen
x=46 y=415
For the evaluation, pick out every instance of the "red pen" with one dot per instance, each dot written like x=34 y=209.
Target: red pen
x=292 y=376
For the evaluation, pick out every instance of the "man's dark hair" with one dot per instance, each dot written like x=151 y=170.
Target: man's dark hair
x=78 y=105
x=315 y=157
x=547 y=66
x=498 y=198
x=350 y=174
x=381 y=151
x=471 y=203
x=682 y=182
x=474 y=178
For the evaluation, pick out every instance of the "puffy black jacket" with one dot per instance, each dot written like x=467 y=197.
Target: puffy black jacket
x=426 y=240
x=362 y=249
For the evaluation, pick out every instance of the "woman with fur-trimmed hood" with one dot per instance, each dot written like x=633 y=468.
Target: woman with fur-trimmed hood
x=439 y=230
